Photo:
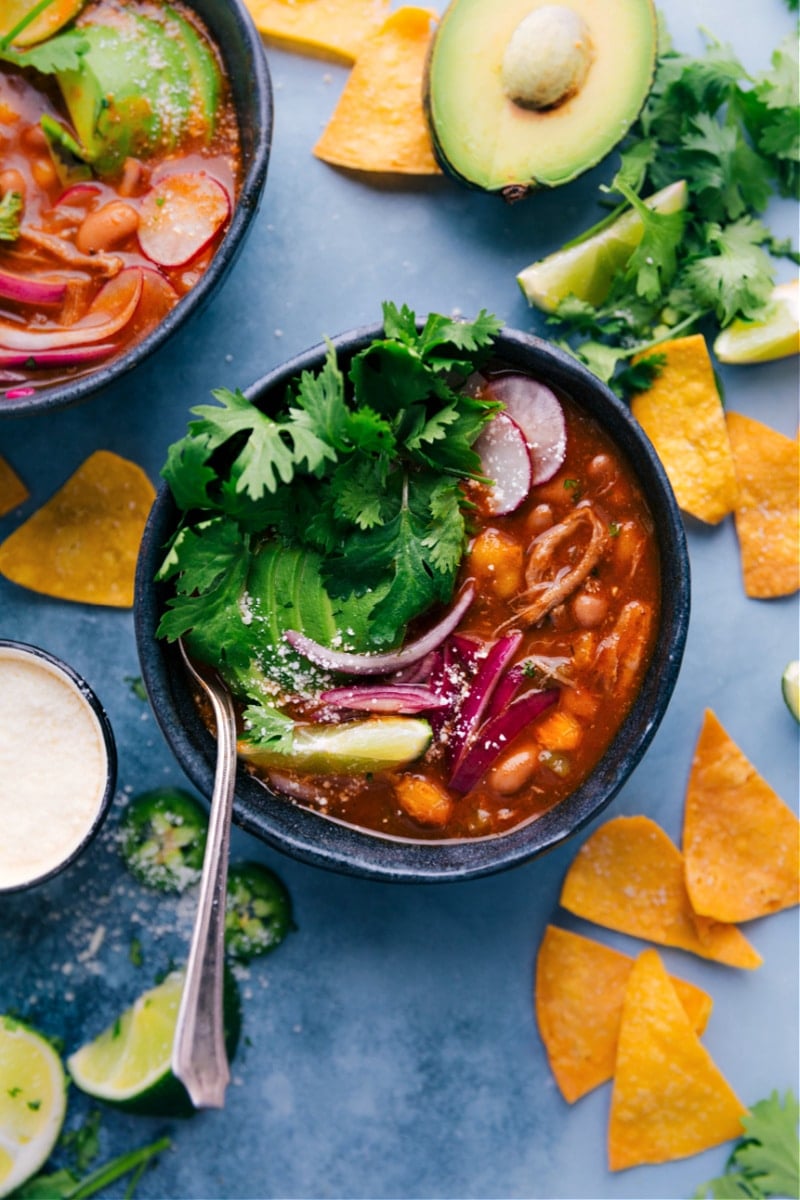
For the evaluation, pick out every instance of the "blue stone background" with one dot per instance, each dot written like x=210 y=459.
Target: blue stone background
x=389 y=1047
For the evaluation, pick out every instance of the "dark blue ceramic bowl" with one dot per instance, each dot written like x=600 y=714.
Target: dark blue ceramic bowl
x=239 y=42
x=317 y=839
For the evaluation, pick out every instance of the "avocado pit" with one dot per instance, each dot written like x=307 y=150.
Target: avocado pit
x=547 y=57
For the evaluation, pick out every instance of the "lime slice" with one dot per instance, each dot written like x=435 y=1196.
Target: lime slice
x=586 y=268
x=377 y=744
x=33 y=1101
x=51 y=19
x=777 y=336
x=128 y=1064
x=790 y=686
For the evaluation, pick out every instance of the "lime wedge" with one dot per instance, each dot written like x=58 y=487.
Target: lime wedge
x=777 y=336
x=586 y=268
x=128 y=1064
x=57 y=13
x=33 y=1101
x=376 y=744
x=790 y=686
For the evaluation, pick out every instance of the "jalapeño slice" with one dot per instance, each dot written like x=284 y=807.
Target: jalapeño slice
x=163 y=838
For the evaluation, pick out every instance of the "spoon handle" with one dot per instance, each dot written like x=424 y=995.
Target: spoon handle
x=199 y=1058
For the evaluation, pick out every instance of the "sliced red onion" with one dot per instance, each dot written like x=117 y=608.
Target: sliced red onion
x=418 y=672
x=31 y=289
x=495 y=735
x=481 y=691
x=75 y=356
x=507 y=687
x=111 y=310
x=506 y=460
x=404 y=698
x=382 y=664
x=538 y=413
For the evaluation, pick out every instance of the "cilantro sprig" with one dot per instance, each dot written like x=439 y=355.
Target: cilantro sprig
x=766 y=1161
x=358 y=473
x=735 y=139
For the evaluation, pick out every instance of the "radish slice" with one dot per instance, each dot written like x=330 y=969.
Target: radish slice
x=539 y=415
x=180 y=216
x=382 y=664
x=111 y=310
x=386 y=698
x=28 y=289
x=78 y=193
x=506 y=460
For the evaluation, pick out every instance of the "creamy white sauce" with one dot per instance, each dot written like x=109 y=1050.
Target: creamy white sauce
x=53 y=767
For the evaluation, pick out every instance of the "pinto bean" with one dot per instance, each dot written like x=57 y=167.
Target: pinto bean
x=107 y=227
x=44 y=172
x=589 y=609
x=12 y=180
x=514 y=771
x=539 y=519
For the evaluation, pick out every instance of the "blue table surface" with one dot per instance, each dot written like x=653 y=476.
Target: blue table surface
x=390 y=1047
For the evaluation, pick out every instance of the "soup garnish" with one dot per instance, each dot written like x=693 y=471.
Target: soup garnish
x=423 y=642
x=120 y=169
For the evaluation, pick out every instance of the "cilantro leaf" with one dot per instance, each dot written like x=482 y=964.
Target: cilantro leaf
x=266 y=725
x=57 y=54
x=737 y=277
x=10 y=214
x=654 y=261
x=766 y=1160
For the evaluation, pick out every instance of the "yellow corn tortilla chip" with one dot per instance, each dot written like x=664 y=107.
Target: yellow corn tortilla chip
x=669 y=1098
x=629 y=876
x=681 y=412
x=767 y=514
x=13 y=491
x=379 y=124
x=328 y=28
x=741 y=843
x=580 y=986
x=82 y=544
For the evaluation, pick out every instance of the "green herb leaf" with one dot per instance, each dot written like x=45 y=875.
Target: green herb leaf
x=766 y=1160
x=57 y=54
x=10 y=216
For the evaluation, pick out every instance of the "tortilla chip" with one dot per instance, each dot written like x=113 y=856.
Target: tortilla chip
x=580 y=986
x=741 y=843
x=669 y=1100
x=681 y=412
x=767 y=515
x=329 y=28
x=629 y=876
x=379 y=124
x=83 y=543
x=13 y=491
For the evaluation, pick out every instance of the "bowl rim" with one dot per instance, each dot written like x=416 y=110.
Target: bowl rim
x=323 y=842
x=87 y=693
x=260 y=124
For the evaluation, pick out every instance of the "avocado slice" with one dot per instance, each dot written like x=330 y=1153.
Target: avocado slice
x=530 y=94
x=131 y=95
x=205 y=73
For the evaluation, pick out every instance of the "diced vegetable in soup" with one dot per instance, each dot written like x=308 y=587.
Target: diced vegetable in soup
x=420 y=649
x=119 y=170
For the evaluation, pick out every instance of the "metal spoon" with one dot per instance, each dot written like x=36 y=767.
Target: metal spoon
x=199 y=1058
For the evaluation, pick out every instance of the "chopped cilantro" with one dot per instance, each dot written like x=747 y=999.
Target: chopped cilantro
x=10 y=214
x=735 y=138
x=358 y=474
x=766 y=1160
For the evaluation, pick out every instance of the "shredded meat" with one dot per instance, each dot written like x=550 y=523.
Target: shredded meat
x=619 y=655
x=547 y=585
x=105 y=265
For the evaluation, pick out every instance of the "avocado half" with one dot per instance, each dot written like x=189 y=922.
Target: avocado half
x=525 y=94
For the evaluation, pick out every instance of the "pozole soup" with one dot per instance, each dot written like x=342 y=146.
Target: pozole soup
x=431 y=581
x=120 y=167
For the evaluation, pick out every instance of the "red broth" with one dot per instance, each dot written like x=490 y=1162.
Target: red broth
x=591 y=648
x=84 y=229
